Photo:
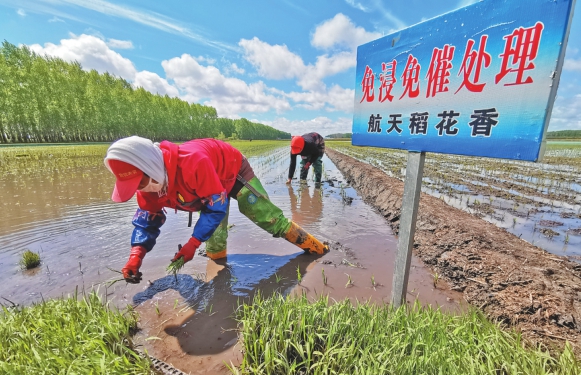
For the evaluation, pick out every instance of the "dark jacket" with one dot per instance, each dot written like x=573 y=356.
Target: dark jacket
x=314 y=149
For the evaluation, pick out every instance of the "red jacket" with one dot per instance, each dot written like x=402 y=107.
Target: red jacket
x=196 y=169
x=200 y=174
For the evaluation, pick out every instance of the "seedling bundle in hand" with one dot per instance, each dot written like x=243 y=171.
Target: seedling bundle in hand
x=175 y=266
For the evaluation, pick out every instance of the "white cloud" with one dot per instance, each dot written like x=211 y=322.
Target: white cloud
x=134 y=14
x=235 y=69
x=194 y=80
x=358 y=5
x=21 y=12
x=322 y=125
x=272 y=61
x=566 y=114
x=340 y=31
x=120 y=44
x=397 y=24
x=91 y=52
x=154 y=84
x=277 y=62
x=572 y=64
x=55 y=19
x=334 y=99
x=230 y=96
x=326 y=66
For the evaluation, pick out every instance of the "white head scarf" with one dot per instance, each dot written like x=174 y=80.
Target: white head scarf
x=141 y=153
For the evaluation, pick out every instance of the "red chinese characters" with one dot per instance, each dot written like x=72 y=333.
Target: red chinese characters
x=387 y=79
x=439 y=70
x=521 y=48
x=411 y=77
x=367 y=85
x=472 y=65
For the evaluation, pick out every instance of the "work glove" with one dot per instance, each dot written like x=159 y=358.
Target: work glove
x=188 y=250
x=307 y=165
x=131 y=272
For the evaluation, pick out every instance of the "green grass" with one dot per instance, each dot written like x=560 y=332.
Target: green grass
x=258 y=147
x=29 y=260
x=69 y=336
x=292 y=336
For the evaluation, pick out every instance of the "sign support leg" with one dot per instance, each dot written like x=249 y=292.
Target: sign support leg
x=407 y=226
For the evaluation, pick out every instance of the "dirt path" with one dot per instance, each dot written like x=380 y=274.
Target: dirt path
x=509 y=279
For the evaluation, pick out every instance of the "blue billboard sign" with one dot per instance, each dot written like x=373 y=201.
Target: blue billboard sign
x=478 y=81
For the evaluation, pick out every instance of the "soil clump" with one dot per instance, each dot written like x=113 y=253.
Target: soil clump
x=512 y=281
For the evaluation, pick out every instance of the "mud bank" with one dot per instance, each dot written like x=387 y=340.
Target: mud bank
x=512 y=281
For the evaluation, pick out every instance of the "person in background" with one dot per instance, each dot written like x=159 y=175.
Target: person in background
x=199 y=175
x=311 y=148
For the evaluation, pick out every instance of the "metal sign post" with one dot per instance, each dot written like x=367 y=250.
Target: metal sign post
x=407 y=225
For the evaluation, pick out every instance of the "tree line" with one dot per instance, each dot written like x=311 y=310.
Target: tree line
x=340 y=135
x=46 y=99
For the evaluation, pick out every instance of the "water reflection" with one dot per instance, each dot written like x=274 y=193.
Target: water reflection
x=306 y=204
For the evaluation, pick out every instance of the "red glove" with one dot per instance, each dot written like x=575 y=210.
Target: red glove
x=307 y=165
x=188 y=250
x=131 y=272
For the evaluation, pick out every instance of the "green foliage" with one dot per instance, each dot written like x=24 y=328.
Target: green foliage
x=69 y=336
x=340 y=135
x=564 y=134
x=292 y=336
x=29 y=260
x=256 y=148
x=245 y=129
x=44 y=99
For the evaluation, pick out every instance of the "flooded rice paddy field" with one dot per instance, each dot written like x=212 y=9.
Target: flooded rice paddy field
x=56 y=202
x=538 y=202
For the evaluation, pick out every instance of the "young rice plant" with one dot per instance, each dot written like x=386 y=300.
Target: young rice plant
x=286 y=335
x=69 y=336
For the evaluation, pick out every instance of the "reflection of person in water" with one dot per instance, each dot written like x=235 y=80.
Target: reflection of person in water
x=305 y=208
x=212 y=328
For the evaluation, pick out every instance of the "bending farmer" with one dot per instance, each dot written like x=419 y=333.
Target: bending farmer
x=199 y=175
x=311 y=147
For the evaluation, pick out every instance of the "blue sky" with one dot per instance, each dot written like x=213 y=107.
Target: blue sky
x=288 y=64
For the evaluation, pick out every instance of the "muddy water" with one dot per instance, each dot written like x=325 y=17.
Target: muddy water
x=187 y=321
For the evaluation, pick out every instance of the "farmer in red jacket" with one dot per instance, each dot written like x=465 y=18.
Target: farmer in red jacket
x=199 y=175
x=311 y=148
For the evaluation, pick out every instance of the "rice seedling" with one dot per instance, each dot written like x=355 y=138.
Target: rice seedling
x=349 y=281
x=324 y=276
x=299 y=276
x=29 y=260
x=520 y=185
x=435 y=278
x=157 y=308
x=373 y=283
x=69 y=335
x=175 y=266
x=286 y=335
